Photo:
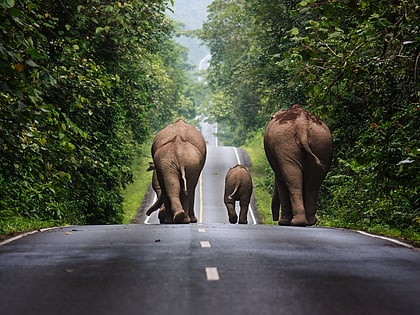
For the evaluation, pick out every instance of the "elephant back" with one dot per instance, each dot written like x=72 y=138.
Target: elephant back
x=186 y=132
x=297 y=130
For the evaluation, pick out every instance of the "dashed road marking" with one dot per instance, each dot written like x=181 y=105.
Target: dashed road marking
x=202 y=230
x=212 y=274
x=205 y=244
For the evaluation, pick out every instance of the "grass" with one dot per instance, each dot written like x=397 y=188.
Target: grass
x=134 y=192
x=11 y=226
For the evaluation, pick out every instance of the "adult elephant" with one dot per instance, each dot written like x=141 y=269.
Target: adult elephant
x=299 y=148
x=179 y=153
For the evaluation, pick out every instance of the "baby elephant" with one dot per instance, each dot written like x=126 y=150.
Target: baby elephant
x=238 y=187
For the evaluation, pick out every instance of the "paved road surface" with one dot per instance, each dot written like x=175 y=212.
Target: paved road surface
x=208 y=268
x=157 y=269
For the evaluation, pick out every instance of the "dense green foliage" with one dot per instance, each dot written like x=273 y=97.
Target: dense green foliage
x=82 y=83
x=355 y=63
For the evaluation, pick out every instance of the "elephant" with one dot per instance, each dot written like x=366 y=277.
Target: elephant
x=179 y=153
x=238 y=187
x=158 y=191
x=299 y=149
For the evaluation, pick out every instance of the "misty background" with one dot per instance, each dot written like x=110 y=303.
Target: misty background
x=192 y=15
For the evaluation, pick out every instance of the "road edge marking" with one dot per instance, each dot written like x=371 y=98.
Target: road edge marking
x=386 y=239
x=17 y=237
x=148 y=217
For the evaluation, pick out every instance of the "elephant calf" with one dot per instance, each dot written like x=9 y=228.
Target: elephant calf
x=238 y=187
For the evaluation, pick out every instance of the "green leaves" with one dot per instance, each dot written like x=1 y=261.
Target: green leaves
x=7 y=4
x=79 y=84
x=352 y=63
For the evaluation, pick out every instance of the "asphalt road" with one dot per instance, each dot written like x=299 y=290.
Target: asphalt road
x=208 y=268
x=158 y=269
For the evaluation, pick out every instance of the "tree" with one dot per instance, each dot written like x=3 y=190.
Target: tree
x=80 y=84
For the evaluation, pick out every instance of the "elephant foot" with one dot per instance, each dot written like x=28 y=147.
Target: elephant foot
x=162 y=216
x=312 y=220
x=243 y=221
x=193 y=219
x=285 y=221
x=168 y=220
x=233 y=218
x=179 y=217
x=299 y=220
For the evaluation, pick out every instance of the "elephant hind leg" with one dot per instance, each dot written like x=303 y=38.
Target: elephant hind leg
x=286 y=207
x=243 y=214
x=312 y=183
x=230 y=206
x=275 y=202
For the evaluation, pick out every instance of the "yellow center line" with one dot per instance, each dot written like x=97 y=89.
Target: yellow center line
x=201 y=199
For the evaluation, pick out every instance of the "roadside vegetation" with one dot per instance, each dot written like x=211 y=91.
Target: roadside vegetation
x=85 y=85
x=353 y=63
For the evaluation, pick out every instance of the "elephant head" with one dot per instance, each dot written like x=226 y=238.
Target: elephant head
x=179 y=153
x=299 y=148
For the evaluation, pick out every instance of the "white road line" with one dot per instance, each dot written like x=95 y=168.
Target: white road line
x=149 y=216
x=202 y=230
x=386 y=239
x=237 y=155
x=205 y=244
x=12 y=239
x=17 y=237
x=251 y=212
x=212 y=274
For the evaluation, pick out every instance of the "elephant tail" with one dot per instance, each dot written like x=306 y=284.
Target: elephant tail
x=303 y=138
x=237 y=184
x=155 y=206
x=184 y=180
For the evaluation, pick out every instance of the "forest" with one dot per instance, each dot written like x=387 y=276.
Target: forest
x=355 y=64
x=83 y=84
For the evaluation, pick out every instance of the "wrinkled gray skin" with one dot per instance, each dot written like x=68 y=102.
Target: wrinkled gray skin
x=299 y=148
x=179 y=153
x=158 y=191
x=238 y=187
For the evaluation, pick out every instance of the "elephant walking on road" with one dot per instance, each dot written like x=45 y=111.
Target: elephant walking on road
x=299 y=148
x=238 y=187
x=179 y=153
